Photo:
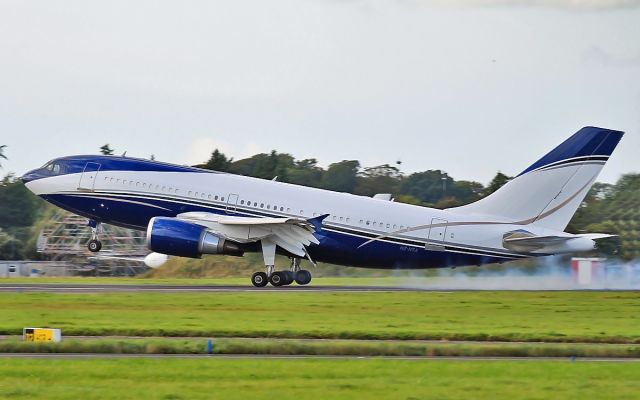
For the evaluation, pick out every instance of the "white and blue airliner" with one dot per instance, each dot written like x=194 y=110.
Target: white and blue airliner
x=188 y=212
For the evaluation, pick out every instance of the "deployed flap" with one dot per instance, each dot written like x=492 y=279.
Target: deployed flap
x=290 y=234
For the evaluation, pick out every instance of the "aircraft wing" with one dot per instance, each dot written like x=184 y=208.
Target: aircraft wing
x=291 y=234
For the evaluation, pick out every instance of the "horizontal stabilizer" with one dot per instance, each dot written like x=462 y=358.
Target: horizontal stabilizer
x=523 y=241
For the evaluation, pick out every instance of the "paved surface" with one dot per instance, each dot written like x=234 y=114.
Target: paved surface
x=95 y=288
x=92 y=288
x=284 y=357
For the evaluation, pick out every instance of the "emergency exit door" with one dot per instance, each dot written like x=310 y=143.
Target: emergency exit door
x=438 y=231
x=89 y=176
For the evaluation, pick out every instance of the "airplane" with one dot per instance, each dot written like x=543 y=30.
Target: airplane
x=190 y=212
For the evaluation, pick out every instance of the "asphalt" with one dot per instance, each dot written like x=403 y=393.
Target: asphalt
x=94 y=288
x=299 y=357
x=103 y=288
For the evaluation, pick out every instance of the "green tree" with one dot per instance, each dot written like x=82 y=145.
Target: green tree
x=341 y=176
x=496 y=183
x=218 y=162
x=379 y=179
x=427 y=186
x=4 y=146
x=466 y=192
x=19 y=206
x=306 y=172
x=106 y=150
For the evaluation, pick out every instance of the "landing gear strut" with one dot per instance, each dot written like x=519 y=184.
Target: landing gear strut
x=94 y=245
x=279 y=278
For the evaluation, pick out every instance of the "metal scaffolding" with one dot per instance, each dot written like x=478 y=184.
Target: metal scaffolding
x=65 y=238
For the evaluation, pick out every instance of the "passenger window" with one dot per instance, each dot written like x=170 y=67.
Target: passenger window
x=368 y=223
x=288 y=210
x=255 y=204
x=340 y=219
x=281 y=208
x=261 y=205
x=388 y=226
x=221 y=198
x=268 y=207
x=241 y=201
x=202 y=196
x=196 y=194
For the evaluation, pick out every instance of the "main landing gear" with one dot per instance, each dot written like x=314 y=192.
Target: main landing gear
x=282 y=278
x=279 y=278
x=94 y=245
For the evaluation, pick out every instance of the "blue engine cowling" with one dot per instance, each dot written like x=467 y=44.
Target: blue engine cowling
x=174 y=237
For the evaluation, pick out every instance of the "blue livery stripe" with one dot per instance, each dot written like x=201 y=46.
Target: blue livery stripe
x=589 y=143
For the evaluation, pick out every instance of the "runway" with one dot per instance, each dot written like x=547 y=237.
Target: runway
x=94 y=288
x=307 y=357
x=105 y=288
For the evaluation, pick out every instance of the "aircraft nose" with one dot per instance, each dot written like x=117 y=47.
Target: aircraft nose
x=30 y=176
x=26 y=178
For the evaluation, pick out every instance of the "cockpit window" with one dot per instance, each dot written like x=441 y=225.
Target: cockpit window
x=53 y=168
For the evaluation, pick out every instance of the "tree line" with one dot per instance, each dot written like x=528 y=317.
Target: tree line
x=434 y=188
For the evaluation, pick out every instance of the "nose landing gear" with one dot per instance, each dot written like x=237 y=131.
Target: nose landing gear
x=94 y=245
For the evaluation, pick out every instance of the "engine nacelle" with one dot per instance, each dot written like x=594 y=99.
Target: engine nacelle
x=185 y=239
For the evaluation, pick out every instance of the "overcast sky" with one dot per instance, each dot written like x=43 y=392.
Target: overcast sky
x=470 y=87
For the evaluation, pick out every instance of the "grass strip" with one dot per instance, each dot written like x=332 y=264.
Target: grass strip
x=563 y=317
x=213 y=378
x=329 y=347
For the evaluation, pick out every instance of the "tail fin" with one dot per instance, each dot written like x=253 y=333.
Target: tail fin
x=550 y=191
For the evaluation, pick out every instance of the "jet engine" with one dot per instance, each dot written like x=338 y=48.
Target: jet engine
x=175 y=237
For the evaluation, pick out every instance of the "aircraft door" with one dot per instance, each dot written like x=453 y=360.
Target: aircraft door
x=232 y=201
x=437 y=231
x=89 y=176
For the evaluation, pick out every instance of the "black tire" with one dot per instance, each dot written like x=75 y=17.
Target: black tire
x=94 y=246
x=291 y=277
x=259 y=279
x=303 y=277
x=278 y=278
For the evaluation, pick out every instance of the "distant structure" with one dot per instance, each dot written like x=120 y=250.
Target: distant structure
x=64 y=240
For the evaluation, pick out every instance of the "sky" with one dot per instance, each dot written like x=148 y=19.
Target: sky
x=468 y=87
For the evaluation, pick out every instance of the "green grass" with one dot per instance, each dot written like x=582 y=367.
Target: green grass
x=314 y=379
x=321 y=347
x=514 y=316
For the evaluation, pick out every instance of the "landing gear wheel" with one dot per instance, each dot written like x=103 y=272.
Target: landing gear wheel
x=94 y=245
x=259 y=279
x=303 y=277
x=290 y=275
x=278 y=278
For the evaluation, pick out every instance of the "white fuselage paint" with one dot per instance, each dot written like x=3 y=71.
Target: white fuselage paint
x=255 y=197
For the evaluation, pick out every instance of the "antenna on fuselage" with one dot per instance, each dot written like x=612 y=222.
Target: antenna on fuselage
x=124 y=154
